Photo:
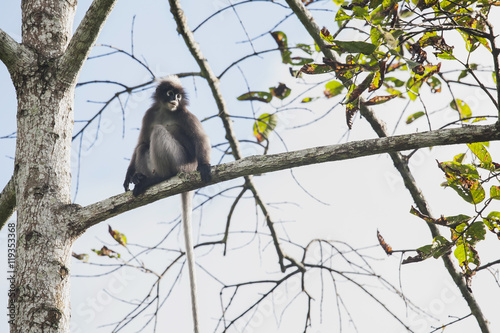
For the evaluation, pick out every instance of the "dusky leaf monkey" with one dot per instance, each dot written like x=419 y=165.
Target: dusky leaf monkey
x=171 y=140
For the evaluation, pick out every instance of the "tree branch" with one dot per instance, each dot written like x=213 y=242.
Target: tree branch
x=90 y=215
x=213 y=82
x=84 y=38
x=402 y=166
x=12 y=54
x=208 y=74
x=7 y=202
x=399 y=162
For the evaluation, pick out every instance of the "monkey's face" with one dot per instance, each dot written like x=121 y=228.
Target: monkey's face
x=172 y=99
x=169 y=96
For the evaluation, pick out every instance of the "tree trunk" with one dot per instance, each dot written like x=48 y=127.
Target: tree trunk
x=42 y=172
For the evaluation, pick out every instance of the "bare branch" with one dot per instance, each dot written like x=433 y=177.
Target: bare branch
x=84 y=38
x=90 y=215
x=213 y=82
x=12 y=54
x=208 y=74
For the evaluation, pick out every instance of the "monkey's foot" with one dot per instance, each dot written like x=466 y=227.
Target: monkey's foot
x=138 y=178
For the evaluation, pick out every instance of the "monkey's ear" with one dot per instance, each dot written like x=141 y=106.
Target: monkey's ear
x=204 y=170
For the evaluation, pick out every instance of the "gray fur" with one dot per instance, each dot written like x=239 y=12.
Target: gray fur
x=171 y=140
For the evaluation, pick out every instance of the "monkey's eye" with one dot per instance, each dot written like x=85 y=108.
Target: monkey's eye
x=178 y=96
x=170 y=93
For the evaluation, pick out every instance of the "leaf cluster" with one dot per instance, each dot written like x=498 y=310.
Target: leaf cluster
x=466 y=231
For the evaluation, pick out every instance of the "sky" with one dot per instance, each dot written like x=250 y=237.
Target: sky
x=349 y=201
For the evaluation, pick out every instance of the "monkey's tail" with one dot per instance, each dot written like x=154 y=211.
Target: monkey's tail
x=187 y=209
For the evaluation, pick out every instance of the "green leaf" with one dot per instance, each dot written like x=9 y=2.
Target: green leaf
x=480 y=151
x=393 y=91
x=325 y=34
x=492 y=221
x=463 y=109
x=434 y=83
x=478 y=119
x=475 y=233
x=264 y=125
x=465 y=252
x=313 y=69
x=341 y=16
x=356 y=47
x=413 y=87
x=306 y=48
x=414 y=116
x=281 y=40
x=463 y=74
x=459 y=158
x=390 y=40
x=483 y=42
x=299 y=61
x=376 y=34
x=360 y=12
x=464 y=179
x=378 y=15
x=333 y=88
x=397 y=82
x=118 y=236
x=495 y=192
x=471 y=44
x=309 y=99
x=412 y=64
x=445 y=56
x=449 y=221
x=454 y=221
x=439 y=246
x=378 y=79
x=338 y=2
x=426 y=39
x=260 y=96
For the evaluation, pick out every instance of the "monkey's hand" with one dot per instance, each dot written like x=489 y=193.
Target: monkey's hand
x=204 y=170
x=125 y=184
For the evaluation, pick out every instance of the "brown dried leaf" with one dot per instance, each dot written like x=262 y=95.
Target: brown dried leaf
x=379 y=99
x=387 y=248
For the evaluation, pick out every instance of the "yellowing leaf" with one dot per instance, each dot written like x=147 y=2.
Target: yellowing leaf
x=333 y=88
x=480 y=151
x=264 y=125
x=118 y=236
x=462 y=108
x=495 y=192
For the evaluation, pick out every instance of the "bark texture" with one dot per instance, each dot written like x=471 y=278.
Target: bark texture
x=42 y=172
x=45 y=78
